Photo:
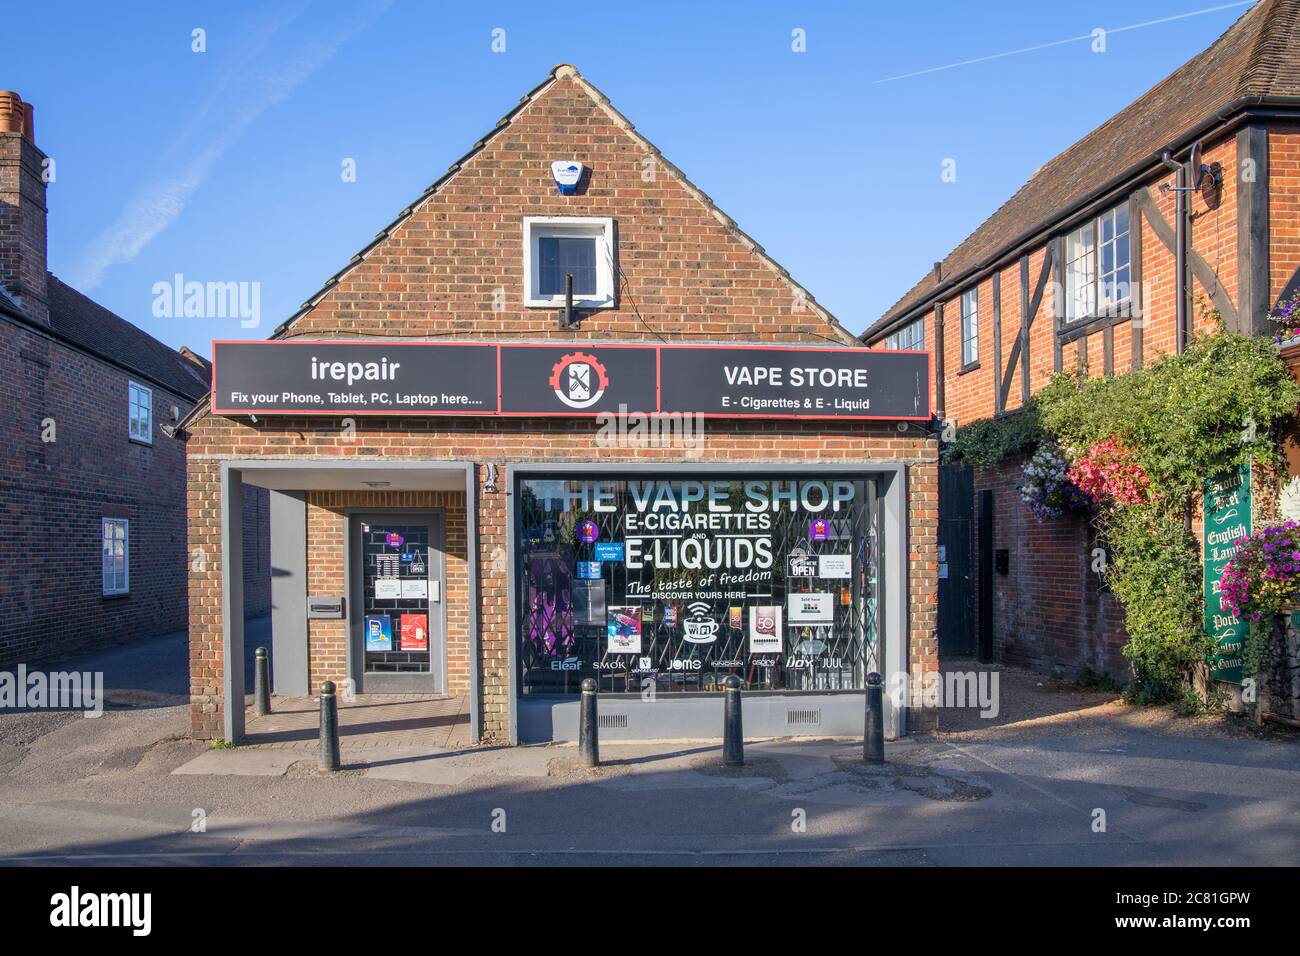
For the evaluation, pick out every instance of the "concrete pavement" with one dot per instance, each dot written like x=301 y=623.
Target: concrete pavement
x=1095 y=783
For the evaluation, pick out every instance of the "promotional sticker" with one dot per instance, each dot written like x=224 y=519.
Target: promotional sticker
x=765 y=629
x=379 y=632
x=623 y=630
x=835 y=566
x=670 y=615
x=699 y=626
x=736 y=617
x=414 y=633
x=394 y=539
x=588 y=570
x=609 y=550
x=817 y=608
x=588 y=531
x=819 y=529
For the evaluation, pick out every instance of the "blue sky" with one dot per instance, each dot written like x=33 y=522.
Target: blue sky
x=225 y=165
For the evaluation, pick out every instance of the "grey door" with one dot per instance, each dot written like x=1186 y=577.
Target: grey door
x=396 y=613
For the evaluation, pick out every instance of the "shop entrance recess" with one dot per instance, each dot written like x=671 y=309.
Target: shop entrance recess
x=396 y=610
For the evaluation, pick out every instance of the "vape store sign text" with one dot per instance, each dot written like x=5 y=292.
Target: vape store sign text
x=374 y=377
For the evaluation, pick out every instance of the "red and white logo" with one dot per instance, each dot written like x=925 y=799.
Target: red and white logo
x=579 y=380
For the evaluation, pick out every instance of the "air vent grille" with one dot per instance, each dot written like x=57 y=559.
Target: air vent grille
x=611 y=721
x=794 y=718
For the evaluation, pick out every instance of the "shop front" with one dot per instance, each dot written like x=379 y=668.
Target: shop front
x=774 y=549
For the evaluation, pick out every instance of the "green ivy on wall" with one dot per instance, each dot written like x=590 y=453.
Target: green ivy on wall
x=1186 y=418
x=991 y=441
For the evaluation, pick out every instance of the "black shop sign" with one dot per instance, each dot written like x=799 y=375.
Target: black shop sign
x=579 y=379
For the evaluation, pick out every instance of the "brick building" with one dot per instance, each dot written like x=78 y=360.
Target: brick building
x=465 y=495
x=1096 y=263
x=92 y=484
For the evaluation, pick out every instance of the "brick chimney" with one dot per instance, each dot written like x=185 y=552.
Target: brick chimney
x=22 y=211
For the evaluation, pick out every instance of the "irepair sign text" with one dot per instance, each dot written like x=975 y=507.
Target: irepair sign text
x=367 y=377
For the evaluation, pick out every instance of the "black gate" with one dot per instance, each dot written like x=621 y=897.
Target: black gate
x=956 y=596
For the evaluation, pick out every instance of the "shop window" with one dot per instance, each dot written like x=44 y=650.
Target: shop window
x=140 y=412
x=910 y=338
x=970 y=327
x=1097 y=266
x=116 y=555
x=675 y=583
x=555 y=247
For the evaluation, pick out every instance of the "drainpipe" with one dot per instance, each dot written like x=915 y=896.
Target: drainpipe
x=1180 y=251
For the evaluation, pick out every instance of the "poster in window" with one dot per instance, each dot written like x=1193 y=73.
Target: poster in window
x=588 y=602
x=623 y=630
x=379 y=632
x=415 y=588
x=817 y=608
x=834 y=566
x=388 y=589
x=765 y=629
x=414 y=632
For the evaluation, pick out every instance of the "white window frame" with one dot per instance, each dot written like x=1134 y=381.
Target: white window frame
x=970 y=327
x=1085 y=283
x=910 y=338
x=109 y=572
x=133 y=405
x=598 y=228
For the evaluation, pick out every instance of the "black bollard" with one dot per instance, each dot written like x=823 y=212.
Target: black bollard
x=262 y=684
x=329 y=727
x=733 y=733
x=873 y=737
x=588 y=737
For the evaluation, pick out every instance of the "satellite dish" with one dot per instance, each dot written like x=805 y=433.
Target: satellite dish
x=1198 y=171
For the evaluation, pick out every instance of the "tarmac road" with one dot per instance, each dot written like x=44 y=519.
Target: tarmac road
x=1034 y=790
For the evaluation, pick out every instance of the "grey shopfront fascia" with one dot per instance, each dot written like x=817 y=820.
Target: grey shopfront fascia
x=288 y=562
x=766 y=714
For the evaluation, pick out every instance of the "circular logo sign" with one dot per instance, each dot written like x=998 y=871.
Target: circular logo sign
x=579 y=380
x=588 y=532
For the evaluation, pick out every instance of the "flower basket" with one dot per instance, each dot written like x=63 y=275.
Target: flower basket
x=1047 y=489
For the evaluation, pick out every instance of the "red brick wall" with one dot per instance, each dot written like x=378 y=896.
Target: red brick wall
x=687 y=274
x=1284 y=207
x=1049 y=611
x=53 y=496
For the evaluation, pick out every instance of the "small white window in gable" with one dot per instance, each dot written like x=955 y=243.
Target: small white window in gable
x=556 y=247
x=140 y=412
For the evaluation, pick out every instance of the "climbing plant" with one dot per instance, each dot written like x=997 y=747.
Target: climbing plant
x=1144 y=444
x=990 y=441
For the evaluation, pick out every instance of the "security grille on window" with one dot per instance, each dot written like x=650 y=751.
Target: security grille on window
x=910 y=338
x=558 y=246
x=970 y=327
x=140 y=410
x=677 y=583
x=116 y=555
x=1097 y=266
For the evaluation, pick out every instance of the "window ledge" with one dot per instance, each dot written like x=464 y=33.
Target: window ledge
x=585 y=305
x=969 y=368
